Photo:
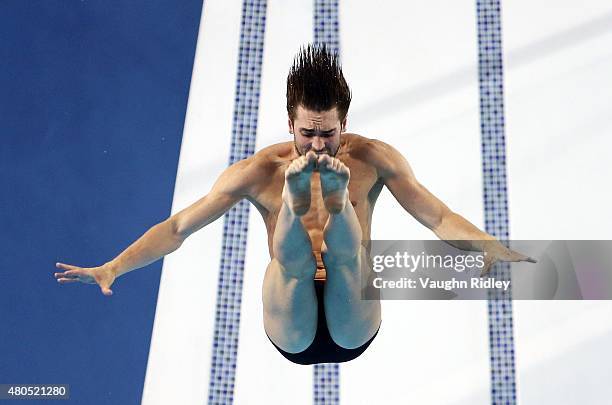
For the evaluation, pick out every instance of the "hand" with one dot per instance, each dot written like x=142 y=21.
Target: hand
x=103 y=275
x=502 y=254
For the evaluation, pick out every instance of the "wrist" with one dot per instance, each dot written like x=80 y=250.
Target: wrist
x=113 y=267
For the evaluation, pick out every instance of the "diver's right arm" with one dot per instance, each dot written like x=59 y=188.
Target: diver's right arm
x=164 y=238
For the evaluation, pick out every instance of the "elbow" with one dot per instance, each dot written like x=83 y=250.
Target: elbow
x=440 y=223
x=178 y=233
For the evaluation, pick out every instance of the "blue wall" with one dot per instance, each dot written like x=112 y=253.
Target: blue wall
x=92 y=105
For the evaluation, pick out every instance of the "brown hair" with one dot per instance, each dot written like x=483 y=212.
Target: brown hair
x=316 y=82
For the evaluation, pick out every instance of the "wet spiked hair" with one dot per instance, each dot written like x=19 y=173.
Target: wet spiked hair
x=316 y=82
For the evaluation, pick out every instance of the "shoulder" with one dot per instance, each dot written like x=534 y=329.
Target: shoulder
x=265 y=157
x=375 y=152
x=248 y=175
x=361 y=147
x=271 y=157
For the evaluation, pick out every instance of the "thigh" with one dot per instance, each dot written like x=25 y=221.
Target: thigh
x=351 y=320
x=289 y=307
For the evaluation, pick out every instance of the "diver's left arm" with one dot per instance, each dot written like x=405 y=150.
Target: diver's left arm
x=426 y=208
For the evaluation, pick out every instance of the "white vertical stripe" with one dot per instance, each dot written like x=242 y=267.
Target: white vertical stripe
x=179 y=359
x=263 y=376
x=413 y=70
x=558 y=97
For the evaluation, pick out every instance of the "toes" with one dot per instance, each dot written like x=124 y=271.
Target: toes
x=311 y=161
x=325 y=161
x=295 y=167
x=303 y=163
x=332 y=164
x=310 y=156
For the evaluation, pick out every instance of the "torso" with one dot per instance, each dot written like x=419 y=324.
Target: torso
x=364 y=188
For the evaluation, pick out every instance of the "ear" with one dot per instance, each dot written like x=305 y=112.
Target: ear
x=290 y=124
x=343 y=125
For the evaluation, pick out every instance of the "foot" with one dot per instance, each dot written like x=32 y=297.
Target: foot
x=334 y=181
x=296 y=192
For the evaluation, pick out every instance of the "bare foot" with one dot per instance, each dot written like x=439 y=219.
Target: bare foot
x=296 y=192
x=334 y=181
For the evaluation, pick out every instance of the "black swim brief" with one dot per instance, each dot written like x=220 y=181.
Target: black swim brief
x=323 y=349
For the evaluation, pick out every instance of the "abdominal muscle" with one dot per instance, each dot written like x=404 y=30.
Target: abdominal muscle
x=321 y=273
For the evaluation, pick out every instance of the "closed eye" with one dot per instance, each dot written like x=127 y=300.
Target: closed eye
x=325 y=134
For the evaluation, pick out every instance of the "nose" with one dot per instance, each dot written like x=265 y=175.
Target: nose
x=318 y=144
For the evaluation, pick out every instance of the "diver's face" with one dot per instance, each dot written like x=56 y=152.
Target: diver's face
x=318 y=131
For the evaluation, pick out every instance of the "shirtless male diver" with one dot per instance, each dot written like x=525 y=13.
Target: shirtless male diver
x=316 y=196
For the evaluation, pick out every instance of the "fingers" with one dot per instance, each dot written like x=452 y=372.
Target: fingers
x=488 y=263
x=519 y=257
x=65 y=266
x=74 y=274
x=71 y=271
x=507 y=256
x=84 y=275
x=485 y=269
x=67 y=280
x=106 y=291
x=524 y=259
x=71 y=274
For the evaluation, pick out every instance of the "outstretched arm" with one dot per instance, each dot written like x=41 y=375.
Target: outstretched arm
x=167 y=236
x=433 y=213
